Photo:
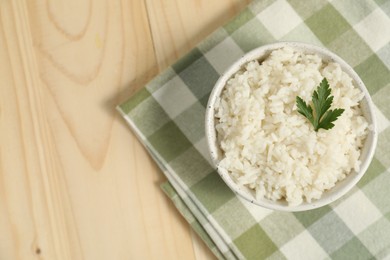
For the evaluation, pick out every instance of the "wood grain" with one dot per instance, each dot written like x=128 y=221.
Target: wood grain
x=74 y=181
x=177 y=26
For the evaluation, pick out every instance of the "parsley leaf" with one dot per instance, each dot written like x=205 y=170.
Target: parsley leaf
x=330 y=116
x=305 y=110
x=322 y=100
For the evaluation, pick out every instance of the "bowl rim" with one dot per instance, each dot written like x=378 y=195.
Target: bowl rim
x=256 y=54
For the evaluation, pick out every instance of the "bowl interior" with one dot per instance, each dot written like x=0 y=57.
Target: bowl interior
x=341 y=187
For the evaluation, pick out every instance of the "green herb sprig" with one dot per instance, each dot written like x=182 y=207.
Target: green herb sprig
x=323 y=116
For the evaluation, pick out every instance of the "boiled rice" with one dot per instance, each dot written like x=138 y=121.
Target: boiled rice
x=271 y=148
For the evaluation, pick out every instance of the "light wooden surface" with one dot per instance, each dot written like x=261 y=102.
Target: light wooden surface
x=74 y=181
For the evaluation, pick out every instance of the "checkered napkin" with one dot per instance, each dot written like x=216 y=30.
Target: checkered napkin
x=168 y=118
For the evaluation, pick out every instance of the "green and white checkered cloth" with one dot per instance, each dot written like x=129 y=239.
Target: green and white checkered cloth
x=168 y=117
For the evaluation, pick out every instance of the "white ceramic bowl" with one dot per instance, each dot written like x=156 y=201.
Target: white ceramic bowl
x=341 y=187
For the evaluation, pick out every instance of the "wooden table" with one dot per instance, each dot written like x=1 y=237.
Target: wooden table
x=74 y=181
